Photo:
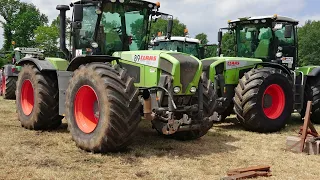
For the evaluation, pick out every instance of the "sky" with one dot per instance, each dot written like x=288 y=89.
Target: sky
x=207 y=16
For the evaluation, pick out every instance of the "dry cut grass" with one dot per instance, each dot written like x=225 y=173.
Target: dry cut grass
x=53 y=155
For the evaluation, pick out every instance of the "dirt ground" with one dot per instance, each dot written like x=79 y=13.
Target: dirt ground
x=28 y=154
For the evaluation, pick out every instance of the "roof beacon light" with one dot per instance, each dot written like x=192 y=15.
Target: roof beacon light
x=158 y=4
x=275 y=16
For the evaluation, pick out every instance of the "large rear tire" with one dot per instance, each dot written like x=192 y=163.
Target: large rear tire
x=9 y=87
x=264 y=100
x=37 y=99
x=102 y=108
x=208 y=109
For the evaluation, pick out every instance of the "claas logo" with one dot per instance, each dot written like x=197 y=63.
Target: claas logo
x=233 y=63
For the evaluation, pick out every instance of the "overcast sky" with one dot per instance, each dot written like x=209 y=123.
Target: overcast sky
x=209 y=15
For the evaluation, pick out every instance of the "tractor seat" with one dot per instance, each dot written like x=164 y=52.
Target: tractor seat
x=262 y=50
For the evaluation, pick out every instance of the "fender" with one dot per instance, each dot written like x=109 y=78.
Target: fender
x=275 y=65
x=80 y=60
x=315 y=72
x=42 y=65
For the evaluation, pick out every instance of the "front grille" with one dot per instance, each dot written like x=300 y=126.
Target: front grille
x=188 y=69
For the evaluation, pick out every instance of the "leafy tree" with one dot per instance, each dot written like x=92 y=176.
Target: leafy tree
x=203 y=38
x=20 y=21
x=309 y=43
x=25 y=22
x=161 y=26
x=46 y=38
x=8 y=12
x=228 y=45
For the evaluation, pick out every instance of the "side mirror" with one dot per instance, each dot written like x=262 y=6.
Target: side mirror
x=169 y=28
x=78 y=12
x=220 y=36
x=288 y=31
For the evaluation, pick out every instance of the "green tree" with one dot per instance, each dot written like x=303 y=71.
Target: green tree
x=203 y=38
x=309 y=43
x=228 y=45
x=25 y=23
x=46 y=38
x=161 y=26
x=8 y=12
x=20 y=21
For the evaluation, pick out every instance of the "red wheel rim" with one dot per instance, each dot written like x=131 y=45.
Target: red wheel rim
x=276 y=94
x=27 y=97
x=3 y=84
x=86 y=109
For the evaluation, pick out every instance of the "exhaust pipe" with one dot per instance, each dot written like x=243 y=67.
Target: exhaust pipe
x=63 y=9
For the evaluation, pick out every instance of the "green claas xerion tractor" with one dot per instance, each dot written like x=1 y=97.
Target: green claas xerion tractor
x=107 y=77
x=263 y=84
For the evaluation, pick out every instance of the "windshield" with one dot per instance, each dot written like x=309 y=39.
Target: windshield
x=122 y=27
x=178 y=46
x=260 y=40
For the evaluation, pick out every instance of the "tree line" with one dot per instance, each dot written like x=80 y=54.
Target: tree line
x=24 y=24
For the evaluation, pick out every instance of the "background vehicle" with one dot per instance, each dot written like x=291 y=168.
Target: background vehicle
x=109 y=73
x=10 y=72
x=262 y=82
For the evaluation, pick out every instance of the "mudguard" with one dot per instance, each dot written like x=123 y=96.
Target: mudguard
x=315 y=72
x=79 y=60
x=42 y=65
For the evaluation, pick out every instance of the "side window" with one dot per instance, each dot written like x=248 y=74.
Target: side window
x=279 y=31
x=86 y=32
x=111 y=27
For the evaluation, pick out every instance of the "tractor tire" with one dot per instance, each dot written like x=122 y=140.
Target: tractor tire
x=264 y=100
x=312 y=93
x=9 y=87
x=37 y=99
x=1 y=75
x=102 y=108
x=208 y=110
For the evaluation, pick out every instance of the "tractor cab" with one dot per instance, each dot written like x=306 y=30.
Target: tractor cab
x=270 y=38
x=22 y=52
x=178 y=44
x=102 y=27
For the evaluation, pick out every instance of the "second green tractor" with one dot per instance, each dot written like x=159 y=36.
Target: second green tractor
x=263 y=85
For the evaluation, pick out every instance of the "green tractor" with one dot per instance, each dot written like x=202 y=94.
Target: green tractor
x=9 y=74
x=263 y=85
x=178 y=44
x=109 y=76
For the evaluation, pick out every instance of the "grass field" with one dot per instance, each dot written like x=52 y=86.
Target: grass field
x=53 y=155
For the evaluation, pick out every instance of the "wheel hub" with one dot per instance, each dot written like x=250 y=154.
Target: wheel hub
x=27 y=97
x=274 y=101
x=86 y=109
x=267 y=101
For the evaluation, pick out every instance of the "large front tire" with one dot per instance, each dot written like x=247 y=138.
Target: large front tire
x=102 y=108
x=264 y=100
x=37 y=99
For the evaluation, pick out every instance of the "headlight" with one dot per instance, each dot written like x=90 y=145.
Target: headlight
x=94 y=45
x=193 y=90
x=121 y=1
x=176 y=90
x=279 y=54
x=280 y=48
